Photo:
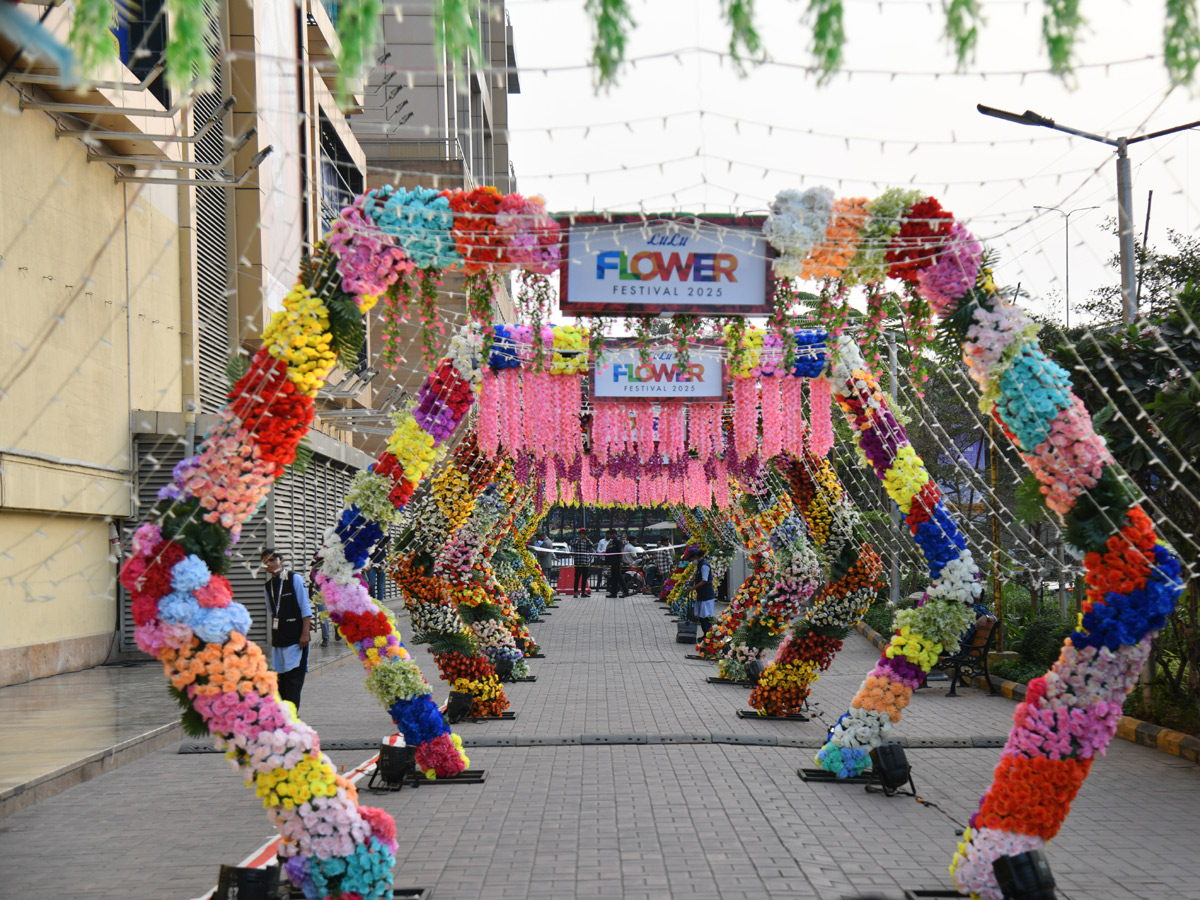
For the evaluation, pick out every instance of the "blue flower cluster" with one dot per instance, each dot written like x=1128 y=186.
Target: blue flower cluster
x=1125 y=619
x=367 y=872
x=420 y=219
x=939 y=539
x=189 y=574
x=504 y=348
x=418 y=719
x=787 y=533
x=1033 y=390
x=810 y=353
x=210 y=625
x=844 y=762
x=358 y=534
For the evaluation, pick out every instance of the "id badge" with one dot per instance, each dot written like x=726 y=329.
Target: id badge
x=275 y=624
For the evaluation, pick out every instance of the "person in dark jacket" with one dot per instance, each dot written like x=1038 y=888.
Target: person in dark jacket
x=291 y=622
x=705 y=606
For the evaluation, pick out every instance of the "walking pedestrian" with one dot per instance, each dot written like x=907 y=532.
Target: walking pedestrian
x=705 y=605
x=291 y=622
x=581 y=550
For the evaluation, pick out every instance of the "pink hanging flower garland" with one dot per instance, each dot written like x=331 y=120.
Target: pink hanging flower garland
x=820 y=439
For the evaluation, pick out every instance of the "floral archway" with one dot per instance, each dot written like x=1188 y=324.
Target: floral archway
x=391 y=244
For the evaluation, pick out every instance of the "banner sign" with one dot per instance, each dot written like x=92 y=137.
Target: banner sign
x=622 y=375
x=636 y=266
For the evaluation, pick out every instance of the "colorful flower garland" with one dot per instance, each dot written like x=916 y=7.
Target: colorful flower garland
x=933 y=627
x=853 y=580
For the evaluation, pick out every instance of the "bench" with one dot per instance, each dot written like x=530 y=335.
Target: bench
x=972 y=659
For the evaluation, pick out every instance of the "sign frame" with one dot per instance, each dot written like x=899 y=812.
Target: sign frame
x=658 y=308
x=616 y=344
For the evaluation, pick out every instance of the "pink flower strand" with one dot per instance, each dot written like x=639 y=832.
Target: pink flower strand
x=489 y=412
x=745 y=415
x=772 y=416
x=791 y=400
x=820 y=439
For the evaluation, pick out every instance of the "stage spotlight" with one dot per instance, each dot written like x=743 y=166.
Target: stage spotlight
x=1025 y=876
x=890 y=766
x=458 y=706
x=237 y=883
x=397 y=764
x=754 y=670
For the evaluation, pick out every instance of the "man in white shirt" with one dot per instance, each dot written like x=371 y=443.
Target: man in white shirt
x=601 y=559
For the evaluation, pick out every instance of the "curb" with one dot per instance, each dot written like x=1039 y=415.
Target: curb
x=43 y=787
x=1147 y=734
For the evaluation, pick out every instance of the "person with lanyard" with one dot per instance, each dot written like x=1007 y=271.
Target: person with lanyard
x=291 y=621
x=581 y=550
x=705 y=606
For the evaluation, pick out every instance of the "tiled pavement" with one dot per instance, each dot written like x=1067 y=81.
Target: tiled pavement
x=697 y=820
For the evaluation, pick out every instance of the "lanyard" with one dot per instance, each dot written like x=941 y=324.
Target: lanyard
x=278 y=596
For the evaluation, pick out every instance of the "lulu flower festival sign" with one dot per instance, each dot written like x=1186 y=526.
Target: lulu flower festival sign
x=392 y=245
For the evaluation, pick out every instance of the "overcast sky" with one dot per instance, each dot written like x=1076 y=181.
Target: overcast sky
x=870 y=129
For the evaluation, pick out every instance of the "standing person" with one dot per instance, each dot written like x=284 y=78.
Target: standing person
x=581 y=550
x=319 y=602
x=376 y=573
x=628 y=560
x=291 y=621
x=664 y=559
x=705 y=606
x=601 y=559
x=616 y=578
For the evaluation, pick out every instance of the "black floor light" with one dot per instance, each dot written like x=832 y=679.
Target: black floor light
x=890 y=767
x=458 y=707
x=397 y=765
x=754 y=670
x=1025 y=876
x=236 y=883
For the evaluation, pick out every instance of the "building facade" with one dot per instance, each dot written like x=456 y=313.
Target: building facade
x=146 y=239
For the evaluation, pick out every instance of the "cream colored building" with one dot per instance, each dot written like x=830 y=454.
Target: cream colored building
x=143 y=241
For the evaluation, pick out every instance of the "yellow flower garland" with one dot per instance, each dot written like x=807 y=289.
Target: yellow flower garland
x=299 y=335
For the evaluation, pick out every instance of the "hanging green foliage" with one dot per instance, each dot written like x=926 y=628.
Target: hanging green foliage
x=963 y=19
x=459 y=38
x=742 y=33
x=1060 y=24
x=357 y=29
x=612 y=20
x=187 y=55
x=90 y=40
x=829 y=37
x=1181 y=41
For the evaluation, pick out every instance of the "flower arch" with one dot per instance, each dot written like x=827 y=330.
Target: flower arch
x=391 y=244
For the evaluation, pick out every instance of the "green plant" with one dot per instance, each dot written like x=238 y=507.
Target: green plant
x=880 y=616
x=1043 y=639
x=1017 y=670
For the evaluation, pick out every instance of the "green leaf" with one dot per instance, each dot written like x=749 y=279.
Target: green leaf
x=357 y=30
x=963 y=19
x=743 y=36
x=1031 y=502
x=236 y=367
x=1060 y=25
x=346 y=329
x=612 y=20
x=452 y=642
x=458 y=35
x=829 y=36
x=481 y=612
x=187 y=55
x=192 y=721
x=1181 y=41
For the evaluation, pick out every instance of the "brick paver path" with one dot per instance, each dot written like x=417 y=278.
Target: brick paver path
x=586 y=820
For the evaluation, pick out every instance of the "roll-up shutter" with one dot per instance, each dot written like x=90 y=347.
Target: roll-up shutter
x=156 y=457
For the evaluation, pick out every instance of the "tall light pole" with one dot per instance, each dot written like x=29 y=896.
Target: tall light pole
x=1124 y=188
x=1067 y=249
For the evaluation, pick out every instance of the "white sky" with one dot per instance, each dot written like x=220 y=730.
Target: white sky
x=932 y=136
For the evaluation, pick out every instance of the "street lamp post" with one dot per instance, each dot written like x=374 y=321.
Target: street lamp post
x=1124 y=188
x=1067 y=251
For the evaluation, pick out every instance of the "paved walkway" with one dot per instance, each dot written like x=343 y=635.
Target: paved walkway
x=564 y=815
